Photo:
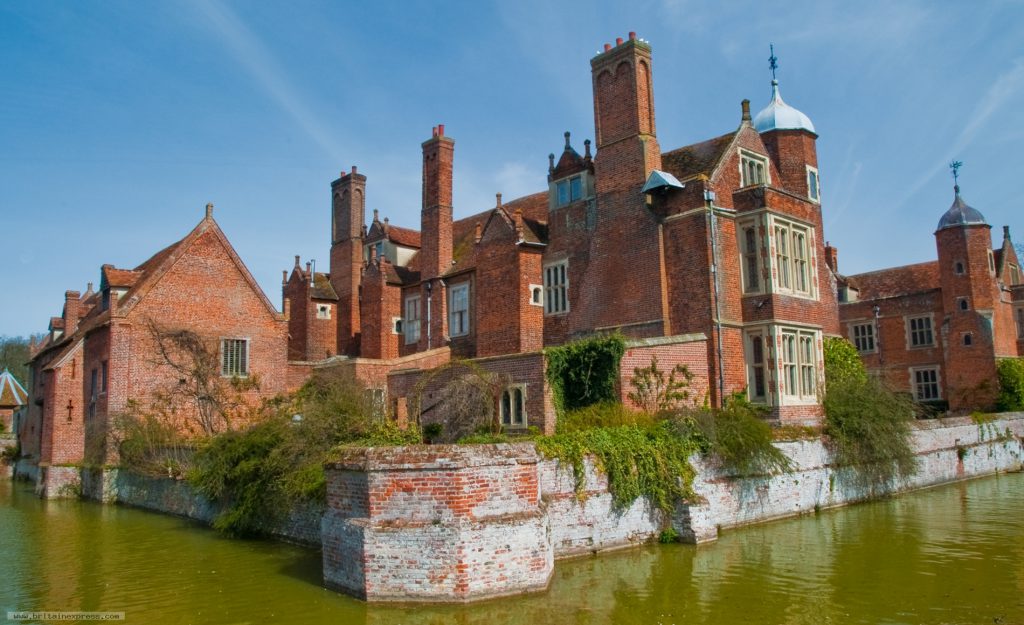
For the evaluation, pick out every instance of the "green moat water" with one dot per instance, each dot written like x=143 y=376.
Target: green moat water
x=953 y=554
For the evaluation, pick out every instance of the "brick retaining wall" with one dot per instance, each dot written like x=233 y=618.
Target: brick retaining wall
x=461 y=523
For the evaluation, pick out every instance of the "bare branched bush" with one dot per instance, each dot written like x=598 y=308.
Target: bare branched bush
x=655 y=392
x=207 y=400
x=466 y=403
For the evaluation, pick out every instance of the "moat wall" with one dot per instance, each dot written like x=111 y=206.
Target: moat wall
x=462 y=523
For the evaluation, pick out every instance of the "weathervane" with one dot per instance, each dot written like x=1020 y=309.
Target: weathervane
x=955 y=167
x=773 y=61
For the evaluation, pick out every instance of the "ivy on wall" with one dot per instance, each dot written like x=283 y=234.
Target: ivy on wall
x=585 y=372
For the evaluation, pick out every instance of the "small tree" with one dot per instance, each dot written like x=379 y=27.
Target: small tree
x=655 y=392
x=467 y=402
x=1011 y=383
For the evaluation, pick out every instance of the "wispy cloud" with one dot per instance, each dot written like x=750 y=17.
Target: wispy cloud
x=1003 y=89
x=260 y=64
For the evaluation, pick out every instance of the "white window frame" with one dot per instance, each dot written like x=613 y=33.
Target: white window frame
x=229 y=366
x=556 y=288
x=756 y=366
x=813 y=190
x=991 y=262
x=396 y=325
x=750 y=256
x=411 y=319
x=793 y=254
x=753 y=165
x=458 y=318
x=323 y=311
x=535 y=294
x=911 y=331
x=511 y=418
x=1014 y=274
x=915 y=384
x=864 y=332
x=799 y=364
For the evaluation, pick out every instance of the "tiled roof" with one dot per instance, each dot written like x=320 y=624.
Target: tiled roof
x=118 y=278
x=405 y=237
x=535 y=217
x=322 y=288
x=11 y=392
x=699 y=158
x=896 y=281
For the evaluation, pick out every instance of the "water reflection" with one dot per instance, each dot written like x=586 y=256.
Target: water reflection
x=947 y=555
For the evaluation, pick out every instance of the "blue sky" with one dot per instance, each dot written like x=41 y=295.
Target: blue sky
x=120 y=120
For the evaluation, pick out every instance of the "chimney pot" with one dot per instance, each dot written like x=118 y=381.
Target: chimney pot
x=1006 y=232
x=745 y=106
x=209 y=210
x=296 y=260
x=618 y=41
x=440 y=130
x=632 y=35
x=376 y=215
x=309 y=266
x=497 y=196
x=607 y=47
x=586 y=148
x=353 y=170
x=435 y=131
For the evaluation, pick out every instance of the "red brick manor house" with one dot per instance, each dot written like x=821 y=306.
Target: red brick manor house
x=711 y=255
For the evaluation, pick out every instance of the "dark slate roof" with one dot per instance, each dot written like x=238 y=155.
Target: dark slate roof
x=12 y=393
x=896 y=281
x=699 y=158
x=960 y=214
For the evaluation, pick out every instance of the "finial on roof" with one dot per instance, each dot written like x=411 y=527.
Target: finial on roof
x=586 y=148
x=497 y=200
x=551 y=162
x=1006 y=232
x=296 y=261
x=376 y=215
x=773 y=61
x=954 y=167
x=566 y=139
x=209 y=210
x=284 y=276
x=745 y=107
x=88 y=288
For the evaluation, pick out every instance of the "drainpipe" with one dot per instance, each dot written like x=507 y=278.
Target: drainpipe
x=430 y=287
x=878 y=335
x=709 y=199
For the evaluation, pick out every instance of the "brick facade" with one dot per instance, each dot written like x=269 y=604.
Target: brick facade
x=105 y=357
x=967 y=301
x=594 y=254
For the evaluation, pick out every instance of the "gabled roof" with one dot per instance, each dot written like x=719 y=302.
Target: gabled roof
x=115 y=278
x=895 y=281
x=12 y=393
x=160 y=263
x=322 y=288
x=405 y=237
x=535 y=227
x=697 y=159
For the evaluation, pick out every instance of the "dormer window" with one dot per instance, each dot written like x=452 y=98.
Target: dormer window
x=569 y=190
x=753 y=169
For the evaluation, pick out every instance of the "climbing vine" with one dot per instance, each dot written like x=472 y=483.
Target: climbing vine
x=651 y=461
x=585 y=372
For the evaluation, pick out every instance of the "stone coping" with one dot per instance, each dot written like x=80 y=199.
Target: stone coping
x=946 y=422
x=426 y=457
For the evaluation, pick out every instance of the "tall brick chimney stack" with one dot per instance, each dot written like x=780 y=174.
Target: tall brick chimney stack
x=627 y=144
x=348 y=212
x=436 y=218
x=71 y=302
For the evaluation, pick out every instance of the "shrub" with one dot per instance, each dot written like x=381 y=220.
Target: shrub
x=655 y=392
x=738 y=437
x=1011 y=384
x=842 y=362
x=585 y=372
x=650 y=461
x=259 y=473
x=602 y=415
x=148 y=444
x=868 y=428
